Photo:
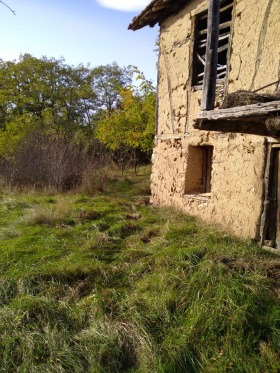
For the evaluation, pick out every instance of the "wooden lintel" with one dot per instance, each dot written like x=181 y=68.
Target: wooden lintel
x=238 y=112
x=261 y=127
x=170 y=136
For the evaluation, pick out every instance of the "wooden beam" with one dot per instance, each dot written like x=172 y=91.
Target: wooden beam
x=170 y=136
x=211 y=62
x=157 y=96
x=271 y=250
x=221 y=27
x=172 y=116
x=266 y=202
x=225 y=126
x=261 y=127
x=221 y=37
x=247 y=111
x=222 y=9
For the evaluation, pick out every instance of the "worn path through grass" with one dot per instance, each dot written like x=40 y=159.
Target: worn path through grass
x=106 y=283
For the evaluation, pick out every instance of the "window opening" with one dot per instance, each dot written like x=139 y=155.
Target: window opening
x=199 y=52
x=199 y=169
x=272 y=226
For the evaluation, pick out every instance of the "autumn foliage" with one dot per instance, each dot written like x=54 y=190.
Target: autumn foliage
x=50 y=111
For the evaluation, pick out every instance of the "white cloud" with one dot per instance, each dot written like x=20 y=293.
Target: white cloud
x=124 y=5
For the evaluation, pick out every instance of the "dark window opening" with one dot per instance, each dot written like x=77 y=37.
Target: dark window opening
x=272 y=228
x=199 y=170
x=199 y=51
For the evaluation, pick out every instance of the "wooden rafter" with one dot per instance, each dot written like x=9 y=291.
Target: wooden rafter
x=155 y=12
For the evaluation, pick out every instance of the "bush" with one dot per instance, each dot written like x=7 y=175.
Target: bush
x=45 y=162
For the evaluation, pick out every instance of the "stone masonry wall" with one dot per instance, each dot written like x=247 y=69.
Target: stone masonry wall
x=235 y=201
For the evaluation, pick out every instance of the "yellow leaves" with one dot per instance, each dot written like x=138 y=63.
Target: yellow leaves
x=132 y=124
x=14 y=132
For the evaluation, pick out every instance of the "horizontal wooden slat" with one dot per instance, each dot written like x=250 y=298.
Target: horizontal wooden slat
x=221 y=49
x=226 y=7
x=221 y=27
x=255 y=126
x=170 y=136
x=222 y=37
x=248 y=111
x=219 y=68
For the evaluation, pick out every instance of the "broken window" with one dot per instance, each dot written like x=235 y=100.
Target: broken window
x=200 y=41
x=199 y=168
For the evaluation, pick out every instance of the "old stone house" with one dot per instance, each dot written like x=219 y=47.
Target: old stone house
x=220 y=165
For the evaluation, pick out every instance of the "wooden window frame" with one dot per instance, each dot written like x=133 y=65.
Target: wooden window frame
x=200 y=42
x=199 y=172
x=207 y=153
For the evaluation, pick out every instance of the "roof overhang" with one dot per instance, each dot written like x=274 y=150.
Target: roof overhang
x=155 y=12
x=257 y=119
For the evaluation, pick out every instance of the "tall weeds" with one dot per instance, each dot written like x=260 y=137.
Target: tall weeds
x=55 y=163
x=106 y=283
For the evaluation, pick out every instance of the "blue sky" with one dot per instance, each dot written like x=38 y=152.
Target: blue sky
x=81 y=31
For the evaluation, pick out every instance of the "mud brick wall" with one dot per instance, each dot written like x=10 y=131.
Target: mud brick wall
x=235 y=201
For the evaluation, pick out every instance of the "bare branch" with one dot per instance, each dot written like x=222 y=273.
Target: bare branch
x=14 y=13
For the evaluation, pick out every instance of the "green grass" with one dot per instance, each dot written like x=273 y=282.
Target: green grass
x=106 y=283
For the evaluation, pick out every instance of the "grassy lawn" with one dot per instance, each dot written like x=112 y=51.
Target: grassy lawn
x=106 y=283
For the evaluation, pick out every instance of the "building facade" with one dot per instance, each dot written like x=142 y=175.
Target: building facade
x=219 y=176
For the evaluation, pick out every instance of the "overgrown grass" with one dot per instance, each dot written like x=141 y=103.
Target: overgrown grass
x=109 y=284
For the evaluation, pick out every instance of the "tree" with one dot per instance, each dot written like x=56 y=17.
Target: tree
x=107 y=82
x=48 y=96
x=129 y=128
x=44 y=94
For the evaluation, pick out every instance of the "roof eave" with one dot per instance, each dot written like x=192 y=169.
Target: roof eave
x=155 y=12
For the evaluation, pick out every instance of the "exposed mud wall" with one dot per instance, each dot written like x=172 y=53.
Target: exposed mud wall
x=235 y=201
x=176 y=41
x=255 y=56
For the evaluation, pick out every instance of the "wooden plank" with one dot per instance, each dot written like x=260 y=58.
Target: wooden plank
x=219 y=68
x=221 y=75
x=251 y=127
x=198 y=85
x=209 y=168
x=221 y=37
x=221 y=27
x=159 y=7
x=211 y=62
x=226 y=7
x=170 y=136
x=266 y=202
x=169 y=92
x=220 y=49
x=271 y=250
x=278 y=203
x=157 y=97
x=221 y=10
x=247 y=111
x=271 y=214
